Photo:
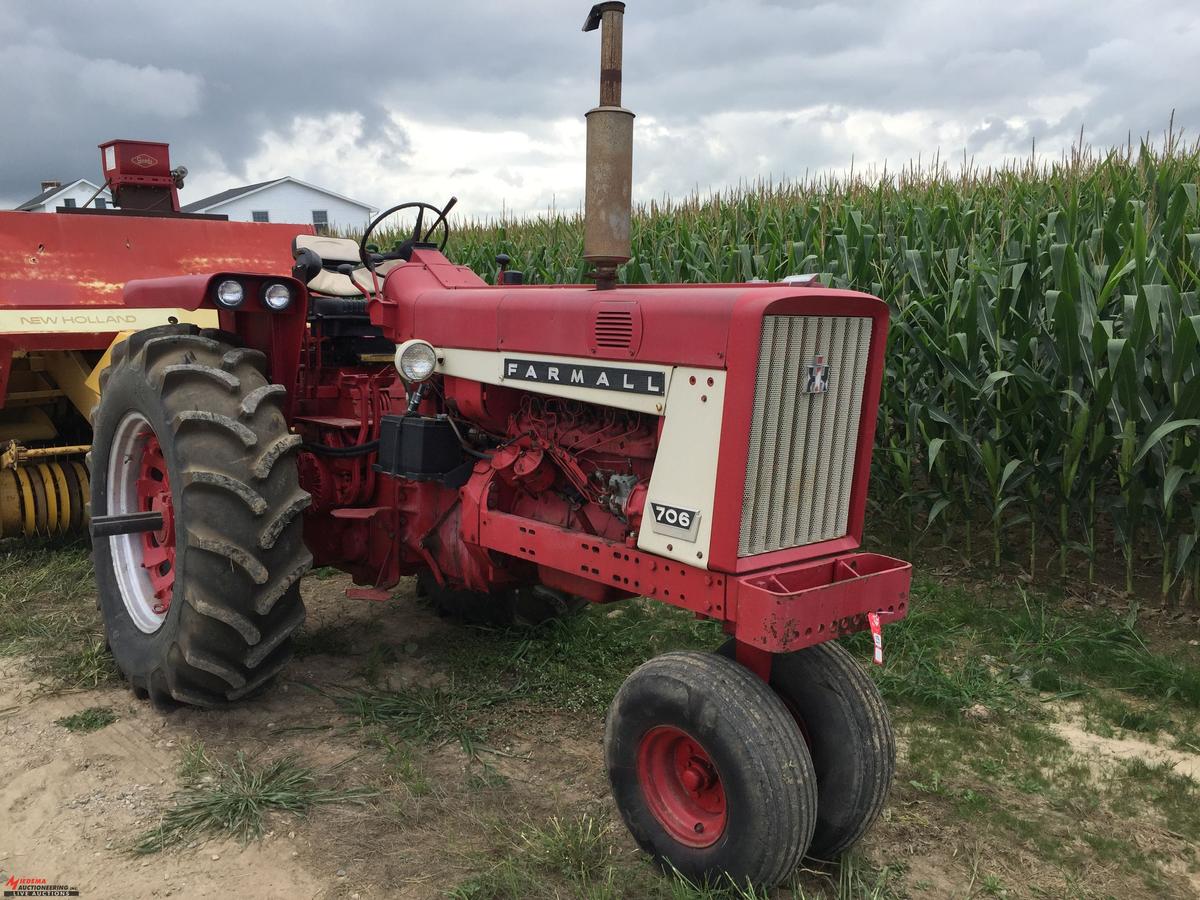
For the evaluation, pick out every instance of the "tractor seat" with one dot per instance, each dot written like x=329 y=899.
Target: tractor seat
x=335 y=252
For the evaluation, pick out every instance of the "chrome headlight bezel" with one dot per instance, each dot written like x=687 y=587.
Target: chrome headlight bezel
x=229 y=293
x=276 y=286
x=416 y=361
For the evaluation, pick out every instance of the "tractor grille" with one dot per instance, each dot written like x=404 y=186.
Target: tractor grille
x=803 y=445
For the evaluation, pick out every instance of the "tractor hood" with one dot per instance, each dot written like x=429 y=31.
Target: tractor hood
x=449 y=306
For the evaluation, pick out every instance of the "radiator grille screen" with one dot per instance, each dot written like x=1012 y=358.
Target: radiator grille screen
x=803 y=446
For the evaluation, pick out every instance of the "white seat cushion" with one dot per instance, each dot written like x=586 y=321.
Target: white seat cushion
x=335 y=251
x=335 y=284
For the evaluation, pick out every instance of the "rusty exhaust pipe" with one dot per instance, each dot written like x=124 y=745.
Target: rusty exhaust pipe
x=609 y=188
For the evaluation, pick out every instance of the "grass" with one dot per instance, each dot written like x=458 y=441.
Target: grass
x=48 y=615
x=430 y=715
x=999 y=791
x=91 y=719
x=580 y=857
x=576 y=663
x=1175 y=796
x=403 y=767
x=233 y=799
x=1117 y=714
x=963 y=645
x=1007 y=782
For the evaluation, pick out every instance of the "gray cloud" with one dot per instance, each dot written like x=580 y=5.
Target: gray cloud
x=387 y=101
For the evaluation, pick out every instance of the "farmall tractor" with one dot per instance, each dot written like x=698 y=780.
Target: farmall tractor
x=521 y=450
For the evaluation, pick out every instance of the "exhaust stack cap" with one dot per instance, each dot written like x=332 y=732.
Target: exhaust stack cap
x=608 y=194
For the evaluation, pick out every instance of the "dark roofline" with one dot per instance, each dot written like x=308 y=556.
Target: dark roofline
x=39 y=199
x=47 y=194
x=230 y=194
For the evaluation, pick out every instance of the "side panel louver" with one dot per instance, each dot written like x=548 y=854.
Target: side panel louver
x=616 y=326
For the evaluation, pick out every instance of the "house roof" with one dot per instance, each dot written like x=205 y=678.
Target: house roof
x=47 y=195
x=244 y=191
x=230 y=194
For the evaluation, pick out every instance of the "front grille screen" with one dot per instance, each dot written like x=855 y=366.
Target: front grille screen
x=803 y=443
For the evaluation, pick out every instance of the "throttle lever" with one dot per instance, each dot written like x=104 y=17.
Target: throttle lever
x=442 y=215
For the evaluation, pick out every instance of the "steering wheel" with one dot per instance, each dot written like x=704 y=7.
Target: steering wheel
x=404 y=251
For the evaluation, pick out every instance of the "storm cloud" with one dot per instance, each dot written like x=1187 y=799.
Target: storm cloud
x=386 y=101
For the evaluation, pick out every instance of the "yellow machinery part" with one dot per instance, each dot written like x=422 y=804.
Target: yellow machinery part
x=10 y=503
x=50 y=500
x=91 y=384
x=43 y=498
x=71 y=373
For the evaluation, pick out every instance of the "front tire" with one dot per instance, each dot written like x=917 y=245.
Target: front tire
x=709 y=771
x=849 y=735
x=200 y=612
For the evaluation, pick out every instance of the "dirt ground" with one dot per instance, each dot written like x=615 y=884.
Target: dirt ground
x=72 y=805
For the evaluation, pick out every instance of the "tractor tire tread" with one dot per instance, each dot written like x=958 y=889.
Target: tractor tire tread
x=204 y=606
x=253 y=499
x=251 y=402
x=238 y=590
x=189 y=417
x=879 y=762
x=244 y=356
x=278 y=449
x=199 y=370
x=263 y=648
x=270 y=533
x=853 y=748
x=269 y=596
x=246 y=559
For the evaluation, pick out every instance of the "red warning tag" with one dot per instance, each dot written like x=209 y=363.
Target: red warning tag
x=876 y=636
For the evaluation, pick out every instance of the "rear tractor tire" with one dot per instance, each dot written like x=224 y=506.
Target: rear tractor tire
x=520 y=607
x=200 y=612
x=849 y=735
x=709 y=771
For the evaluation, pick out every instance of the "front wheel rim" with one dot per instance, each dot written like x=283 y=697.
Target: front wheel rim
x=682 y=786
x=144 y=563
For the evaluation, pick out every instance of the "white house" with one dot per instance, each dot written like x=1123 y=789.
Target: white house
x=76 y=193
x=289 y=200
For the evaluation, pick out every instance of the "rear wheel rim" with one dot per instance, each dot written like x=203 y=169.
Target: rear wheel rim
x=682 y=786
x=144 y=563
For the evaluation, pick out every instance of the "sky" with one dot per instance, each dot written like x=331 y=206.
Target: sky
x=395 y=100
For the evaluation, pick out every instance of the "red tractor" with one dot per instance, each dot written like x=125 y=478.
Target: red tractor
x=522 y=449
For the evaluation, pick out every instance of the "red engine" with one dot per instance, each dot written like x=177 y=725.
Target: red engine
x=708 y=446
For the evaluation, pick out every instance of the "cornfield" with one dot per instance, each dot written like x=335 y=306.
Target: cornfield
x=1041 y=401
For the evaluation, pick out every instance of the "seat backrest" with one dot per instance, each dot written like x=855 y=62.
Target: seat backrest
x=330 y=249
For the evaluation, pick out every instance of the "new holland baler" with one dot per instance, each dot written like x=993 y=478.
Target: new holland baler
x=62 y=309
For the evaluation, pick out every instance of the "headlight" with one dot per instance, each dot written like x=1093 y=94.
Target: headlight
x=416 y=360
x=277 y=296
x=230 y=294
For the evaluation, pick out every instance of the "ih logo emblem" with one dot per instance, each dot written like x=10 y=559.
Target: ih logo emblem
x=818 y=377
x=145 y=160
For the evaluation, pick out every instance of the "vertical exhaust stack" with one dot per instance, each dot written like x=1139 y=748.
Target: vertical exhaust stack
x=609 y=191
